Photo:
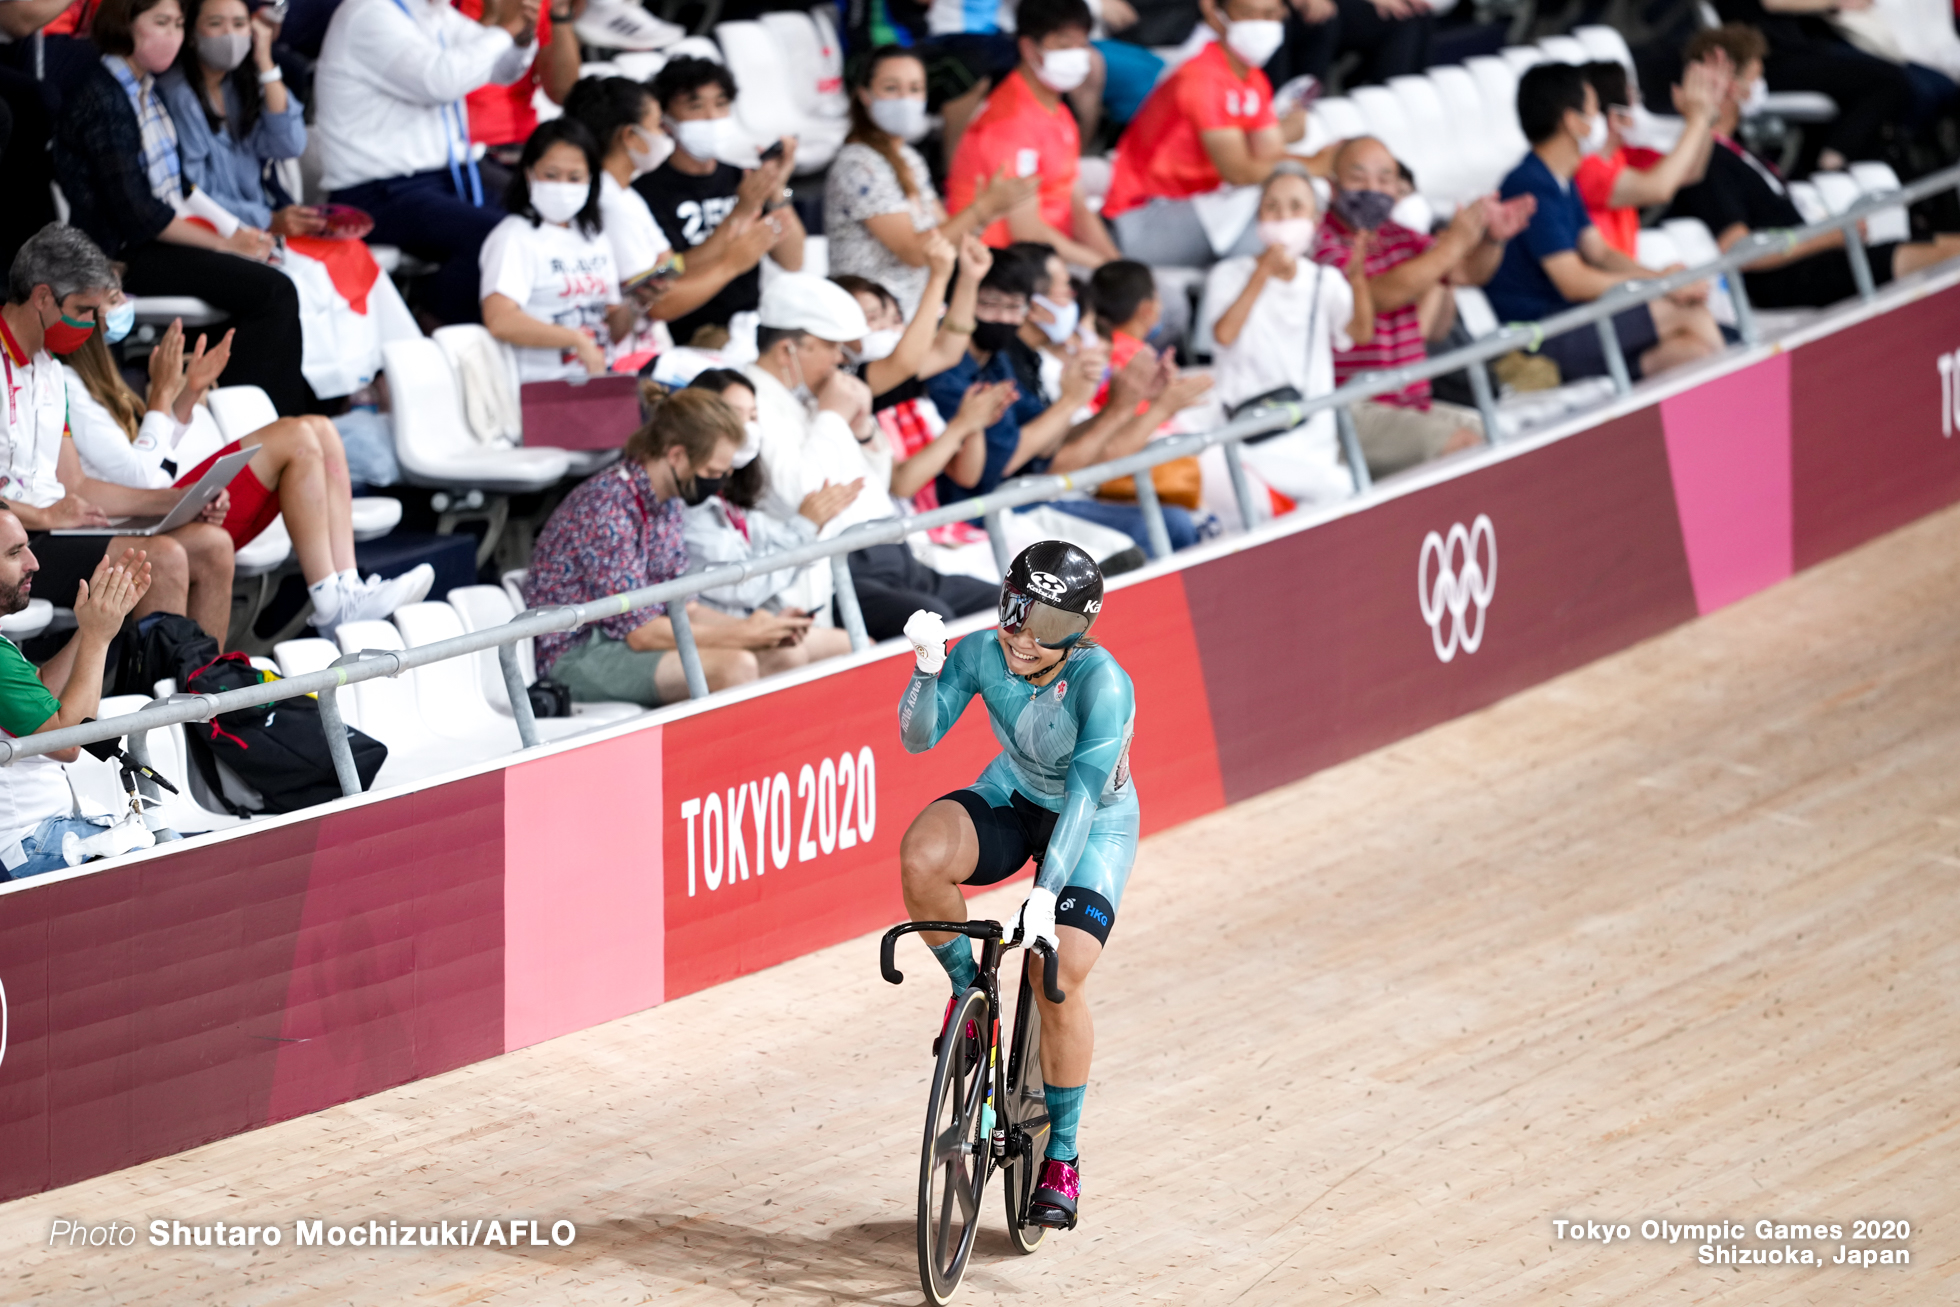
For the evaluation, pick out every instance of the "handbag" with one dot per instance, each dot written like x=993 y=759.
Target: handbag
x=1177 y=482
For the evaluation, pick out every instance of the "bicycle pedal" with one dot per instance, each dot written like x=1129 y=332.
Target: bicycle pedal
x=1051 y=1218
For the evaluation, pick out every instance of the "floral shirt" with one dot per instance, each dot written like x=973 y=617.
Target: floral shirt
x=862 y=185
x=612 y=534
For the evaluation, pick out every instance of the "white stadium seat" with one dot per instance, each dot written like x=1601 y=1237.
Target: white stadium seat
x=480 y=607
x=1444 y=175
x=1875 y=178
x=1657 y=248
x=1809 y=201
x=1498 y=83
x=432 y=437
x=1389 y=123
x=1838 y=190
x=1342 y=117
x=1521 y=57
x=1565 y=50
x=459 y=340
x=1692 y=237
x=450 y=693
x=389 y=709
x=1605 y=43
x=31 y=620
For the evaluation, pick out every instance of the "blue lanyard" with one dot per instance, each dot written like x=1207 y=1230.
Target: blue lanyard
x=455 y=125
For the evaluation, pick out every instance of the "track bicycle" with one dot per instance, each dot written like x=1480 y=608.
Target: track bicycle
x=981 y=1113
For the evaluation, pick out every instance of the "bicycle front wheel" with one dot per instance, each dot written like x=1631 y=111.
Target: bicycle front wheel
x=953 y=1160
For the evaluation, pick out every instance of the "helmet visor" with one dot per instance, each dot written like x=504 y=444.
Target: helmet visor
x=1051 y=627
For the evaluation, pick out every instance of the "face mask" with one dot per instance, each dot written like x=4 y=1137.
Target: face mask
x=645 y=161
x=801 y=391
x=1413 y=212
x=118 y=322
x=700 y=488
x=1066 y=316
x=877 y=345
x=1363 y=210
x=224 y=51
x=66 y=335
x=705 y=138
x=559 y=201
x=1064 y=70
x=751 y=443
x=992 y=337
x=904 y=118
x=1255 y=41
x=1595 y=138
x=1294 y=235
x=1758 y=96
x=156 y=50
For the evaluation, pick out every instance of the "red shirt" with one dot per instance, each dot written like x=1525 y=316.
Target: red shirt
x=1398 y=332
x=1595 y=178
x=1160 y=153
x=503 y=115
x=1016 y=131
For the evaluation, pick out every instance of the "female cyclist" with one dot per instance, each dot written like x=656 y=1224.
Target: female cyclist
x=1059 y=792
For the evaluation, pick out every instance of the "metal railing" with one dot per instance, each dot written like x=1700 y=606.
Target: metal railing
x=1473 y=358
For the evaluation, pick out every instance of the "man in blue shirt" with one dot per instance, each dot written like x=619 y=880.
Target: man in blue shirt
x=1561 y=260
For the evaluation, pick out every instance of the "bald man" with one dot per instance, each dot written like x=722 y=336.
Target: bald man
x=1409 y=275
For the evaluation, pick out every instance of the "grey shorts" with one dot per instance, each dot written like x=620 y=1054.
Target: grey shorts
x=605 y=670
x=1394 y=438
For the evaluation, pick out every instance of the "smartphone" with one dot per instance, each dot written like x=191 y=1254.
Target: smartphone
x=274 y=13
x=773 y=153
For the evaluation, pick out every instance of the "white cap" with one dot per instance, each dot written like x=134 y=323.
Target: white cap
x=799 y=301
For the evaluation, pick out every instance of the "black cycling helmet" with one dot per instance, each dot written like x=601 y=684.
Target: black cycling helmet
x=1054 y=591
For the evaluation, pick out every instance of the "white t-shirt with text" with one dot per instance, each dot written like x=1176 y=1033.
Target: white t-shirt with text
x=557 y=275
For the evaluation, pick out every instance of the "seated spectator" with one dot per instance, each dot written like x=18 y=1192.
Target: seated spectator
x=1561 y=260
x=37 y=806
x=1026 y=131
x=58 y=290
x=1916 y=35
x=1743 y=193
x=1621 y=180
x=725 y=528
x=1409 y=279
x=1056 y=322
x=624 y=529
x=805 y=322
x=1806 y=55
x=117 y=155
x=1034 y=435
x=1277 y=321
x=549 y=287
x=122 y=440
x=1208 y=125
x=503 y=116
x=697 y=191
x=879 y=205
x=394 y=135
x=624 y=119
x=230 y=125
x=897 y=355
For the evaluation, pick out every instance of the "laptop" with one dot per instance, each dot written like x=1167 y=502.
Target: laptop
x=216 y=477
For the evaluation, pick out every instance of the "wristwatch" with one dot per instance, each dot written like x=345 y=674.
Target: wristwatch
x=771 y=205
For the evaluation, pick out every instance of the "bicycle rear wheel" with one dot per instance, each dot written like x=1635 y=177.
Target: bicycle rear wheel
x=1026 y=1107
x=954 y=1158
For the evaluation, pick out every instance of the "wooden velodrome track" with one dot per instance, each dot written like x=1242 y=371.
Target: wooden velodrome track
x=1674 y=936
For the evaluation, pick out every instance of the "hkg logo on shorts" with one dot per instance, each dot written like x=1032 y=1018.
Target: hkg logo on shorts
x=1464 y=577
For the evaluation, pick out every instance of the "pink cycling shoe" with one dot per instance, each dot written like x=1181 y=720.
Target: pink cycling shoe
x=1054 y=1200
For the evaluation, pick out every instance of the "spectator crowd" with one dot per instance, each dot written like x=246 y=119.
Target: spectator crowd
x=964 y=283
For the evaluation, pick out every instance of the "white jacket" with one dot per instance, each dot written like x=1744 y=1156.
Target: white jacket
x=713 y=540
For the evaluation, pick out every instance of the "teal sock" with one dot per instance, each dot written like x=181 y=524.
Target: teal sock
x=956 y=955
x=1064 y=1112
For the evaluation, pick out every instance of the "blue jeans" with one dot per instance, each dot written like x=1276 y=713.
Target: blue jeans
x=422 y=214
x=1128 y=518
x=42 y=845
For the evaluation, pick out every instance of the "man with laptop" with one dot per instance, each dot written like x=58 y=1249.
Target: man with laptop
x=58 y=284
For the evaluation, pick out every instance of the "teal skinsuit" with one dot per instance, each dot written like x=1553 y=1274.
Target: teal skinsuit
x=1064 y=746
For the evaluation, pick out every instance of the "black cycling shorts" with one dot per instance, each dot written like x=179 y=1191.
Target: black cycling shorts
x=1009 y=837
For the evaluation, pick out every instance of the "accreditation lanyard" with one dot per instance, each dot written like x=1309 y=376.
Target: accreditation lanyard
x=455 y=126
x=9 y=348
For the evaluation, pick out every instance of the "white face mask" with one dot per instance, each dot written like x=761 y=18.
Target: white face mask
x=1255 y=40
x=1066 y=316
x=1758 y=96
x=904 y=118
x=705 y=138
x=1294 y=235
x=751 y=445
x=224 y=51
x=875 y=345
x=1595 y=138
x=1064 y=70
x=645 y=161
x=559 y=202
x=1413 y=212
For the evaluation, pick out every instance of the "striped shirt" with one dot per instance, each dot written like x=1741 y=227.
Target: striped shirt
x=1398 y=332
x=159 y=133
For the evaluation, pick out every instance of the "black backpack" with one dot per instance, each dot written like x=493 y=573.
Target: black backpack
x=278 y=748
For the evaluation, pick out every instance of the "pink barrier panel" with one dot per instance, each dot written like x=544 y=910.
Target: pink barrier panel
x=1728 y=447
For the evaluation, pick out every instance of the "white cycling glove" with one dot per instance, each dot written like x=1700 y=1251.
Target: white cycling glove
x=927 y=632
x=1037 y=919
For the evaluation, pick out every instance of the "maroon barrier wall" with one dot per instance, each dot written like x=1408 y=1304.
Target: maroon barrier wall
x=156 y=1005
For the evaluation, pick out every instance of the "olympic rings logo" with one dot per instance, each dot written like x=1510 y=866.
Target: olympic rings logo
x=1460 y=582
